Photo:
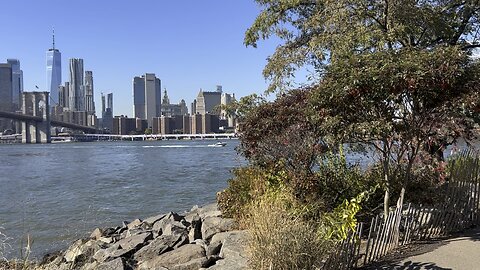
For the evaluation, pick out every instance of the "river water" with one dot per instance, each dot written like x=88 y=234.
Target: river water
x=57 y=193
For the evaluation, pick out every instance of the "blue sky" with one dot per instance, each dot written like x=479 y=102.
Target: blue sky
x=188 y=44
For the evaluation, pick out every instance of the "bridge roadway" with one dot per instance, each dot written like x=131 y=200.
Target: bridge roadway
x=25 y=117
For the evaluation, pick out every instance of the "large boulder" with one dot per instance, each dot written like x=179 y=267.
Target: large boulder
x=152 y=220
x=116 y=264
x=81 y=251
x=135 y=242
x=232 y=251
x=160 y=225
x=209 y=210
x=195 y=228
x=159 y=246
x=214 y=225
x=181 y=256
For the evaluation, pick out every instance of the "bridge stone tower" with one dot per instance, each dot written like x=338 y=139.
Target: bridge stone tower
x=36 y=104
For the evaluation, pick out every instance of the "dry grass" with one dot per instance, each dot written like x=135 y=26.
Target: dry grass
x=23 y=263
x=279 y=241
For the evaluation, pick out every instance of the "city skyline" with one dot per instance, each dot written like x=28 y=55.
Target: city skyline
x=187 y=45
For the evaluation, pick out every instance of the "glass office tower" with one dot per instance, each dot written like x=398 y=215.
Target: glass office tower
x=54 y=72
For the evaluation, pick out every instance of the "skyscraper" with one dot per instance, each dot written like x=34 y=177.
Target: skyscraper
x=146 y=97
x=54 y=72
x=6 y=87
x=107 y=112
x=110 y=101
x=17 y=82
x=77 y=91
x=5 y=93
x=63 y=95
x=89 y=102
x=208 y=102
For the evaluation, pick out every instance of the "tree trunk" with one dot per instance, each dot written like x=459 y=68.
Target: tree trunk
x=386 y=198
x=400 y=199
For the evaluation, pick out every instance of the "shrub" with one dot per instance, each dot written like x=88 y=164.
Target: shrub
x=248 y=183
x=281 y=239
x=339 y=181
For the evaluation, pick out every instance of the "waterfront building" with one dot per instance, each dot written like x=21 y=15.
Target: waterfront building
x=141 y=125
x=208 y=102
x=210 y=123
x=88 y=86
x=123 y=125
x=147 y=97
x=54 y=71
x=171 y=125
x=186 y=124
x=225 y=100
x=196 y=124
x=172 y=110
x=17 y=83
x=156 y=125
x=167 y=125
x=76 y=89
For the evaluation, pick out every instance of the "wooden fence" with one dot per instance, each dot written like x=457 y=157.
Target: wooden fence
x=459 y=210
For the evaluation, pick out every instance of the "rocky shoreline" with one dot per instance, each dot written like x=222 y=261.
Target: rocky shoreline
x=198 y=239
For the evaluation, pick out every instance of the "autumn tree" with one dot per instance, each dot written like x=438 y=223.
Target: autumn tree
x=391 y=74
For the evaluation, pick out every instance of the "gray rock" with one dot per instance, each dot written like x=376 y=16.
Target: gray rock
x=81 y=251
x=233 y=252
x=174 y=227
x=157 y=247
x=106 y=240
x=195 y=227
x=135 y=231
x=209 y=210
x=192 y=265
x=120 y=230
x=74 y=250
x=200 y=242
x=96 y=234
x=213 y=225
x=234 y=245
x=220 y=237
x=134 y=224
x=109 y=231
x=214 y=248
x=116 y=264
x=177 y=257
x=105 y=254
x=135 y=242
x=90 y=266
x=171 y=224
x=152 y=220
x=230 y=264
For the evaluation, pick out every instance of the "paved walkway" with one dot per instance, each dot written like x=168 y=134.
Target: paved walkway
x=462 y=252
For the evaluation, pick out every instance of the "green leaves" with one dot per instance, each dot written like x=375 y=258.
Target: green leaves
x=318 y=33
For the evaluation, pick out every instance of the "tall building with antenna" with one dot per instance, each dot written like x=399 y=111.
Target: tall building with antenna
x=54 y=71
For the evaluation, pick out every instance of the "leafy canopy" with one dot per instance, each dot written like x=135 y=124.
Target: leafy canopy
x=319 y=32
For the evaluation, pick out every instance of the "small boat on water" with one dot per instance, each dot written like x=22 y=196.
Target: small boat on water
x=218 y=144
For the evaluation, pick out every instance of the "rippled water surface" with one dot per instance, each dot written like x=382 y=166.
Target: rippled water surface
x=59 y=192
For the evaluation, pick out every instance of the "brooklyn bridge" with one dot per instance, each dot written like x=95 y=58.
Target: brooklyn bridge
x=36 y=123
